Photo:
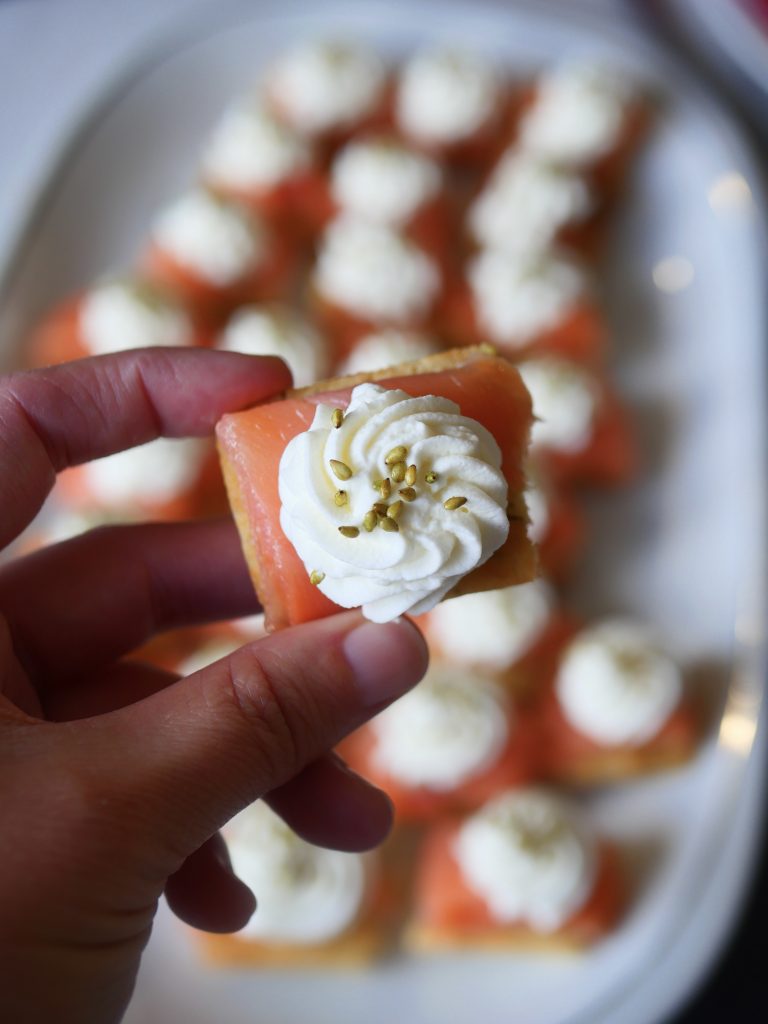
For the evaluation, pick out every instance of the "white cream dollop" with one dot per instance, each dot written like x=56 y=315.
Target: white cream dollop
x=565 y=401
x=492 y=629
x=278 y=331
x=320 y=86
x=215 y=239
x=125 y=314
x=446 y=95
x=305 y=894
x=616 y=685
x=450 y=728
x=577 y=115
x=517 y=298
x=386 y=572
x=375 y=272
x=529 y=857
x=150 y=474
x=386 y=348
x=526 y=203
x=251 y=149
x=383 y=181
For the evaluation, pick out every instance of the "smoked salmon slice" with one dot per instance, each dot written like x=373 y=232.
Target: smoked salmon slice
x=448 y=914
x=251 y=443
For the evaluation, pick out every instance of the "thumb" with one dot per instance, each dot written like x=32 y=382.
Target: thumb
x=201 y=750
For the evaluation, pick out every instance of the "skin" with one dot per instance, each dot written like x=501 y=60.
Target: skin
x=115 y=776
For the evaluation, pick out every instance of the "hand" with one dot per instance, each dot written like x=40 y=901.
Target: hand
x=114 y=776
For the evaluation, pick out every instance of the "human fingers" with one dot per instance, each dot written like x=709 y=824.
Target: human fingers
x=216 y=741
x=79 y=605
x=68 y=414
x=206 y=893
x=330 y=805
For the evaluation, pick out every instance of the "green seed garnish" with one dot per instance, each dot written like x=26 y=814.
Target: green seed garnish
x=316 y=577
x=409 y=493
x=453 y=503
x=397 y=472
x=370 y=519
x=349 y=531
x=395 y=509
x=337 y=417
x=410 y=476
x=397 y=454
x=386 y=488
x=340 y=469
x=340 y=498
x=430 y=477
x=389 y=525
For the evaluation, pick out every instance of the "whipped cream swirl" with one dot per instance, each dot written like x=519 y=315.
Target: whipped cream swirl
x=526 y=203
x=383 y=181
x=578 y=114
x=149 y=474
x=276 y=330
x=117 y=315
x=615 y=685
x=517 y=298
x=375 y=272
x=386 y=348
x=446 y=95
x=392 y=508
x=493 y=629
x=565 y=400
x=320 y=86
x=449 y=729
x=215 y=239
x=306 y=895
x=252 y=149
x=529 y=857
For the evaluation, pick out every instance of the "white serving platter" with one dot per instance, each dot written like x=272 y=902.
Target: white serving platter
x=685 y=547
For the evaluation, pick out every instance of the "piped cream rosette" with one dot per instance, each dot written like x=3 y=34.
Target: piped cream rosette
x=392 y=502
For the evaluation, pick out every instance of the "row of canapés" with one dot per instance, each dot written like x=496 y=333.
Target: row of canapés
x=520 y=698
x=348 y=217
x=401 y=256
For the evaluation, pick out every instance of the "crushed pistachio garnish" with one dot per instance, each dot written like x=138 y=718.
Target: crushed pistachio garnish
x=430 y=477
x=340 y=498
x=410 y=476
x=396 y=454
x=454 y=503
x=340 y=469
x=316 y=577
x=337 y=417
x=370 y=520
x=349 y=531
x=395 y=509
x=409 y=493
x=397 y=472
x=389 y=525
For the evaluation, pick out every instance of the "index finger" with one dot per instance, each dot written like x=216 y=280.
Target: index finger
x=64 y=415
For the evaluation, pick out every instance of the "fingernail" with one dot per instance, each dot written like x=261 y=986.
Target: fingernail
x=387 y=660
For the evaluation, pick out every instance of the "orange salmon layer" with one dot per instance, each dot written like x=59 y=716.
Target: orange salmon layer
x=447 y=912
x=251 y=444
x=566 y=755
x=515 y=766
